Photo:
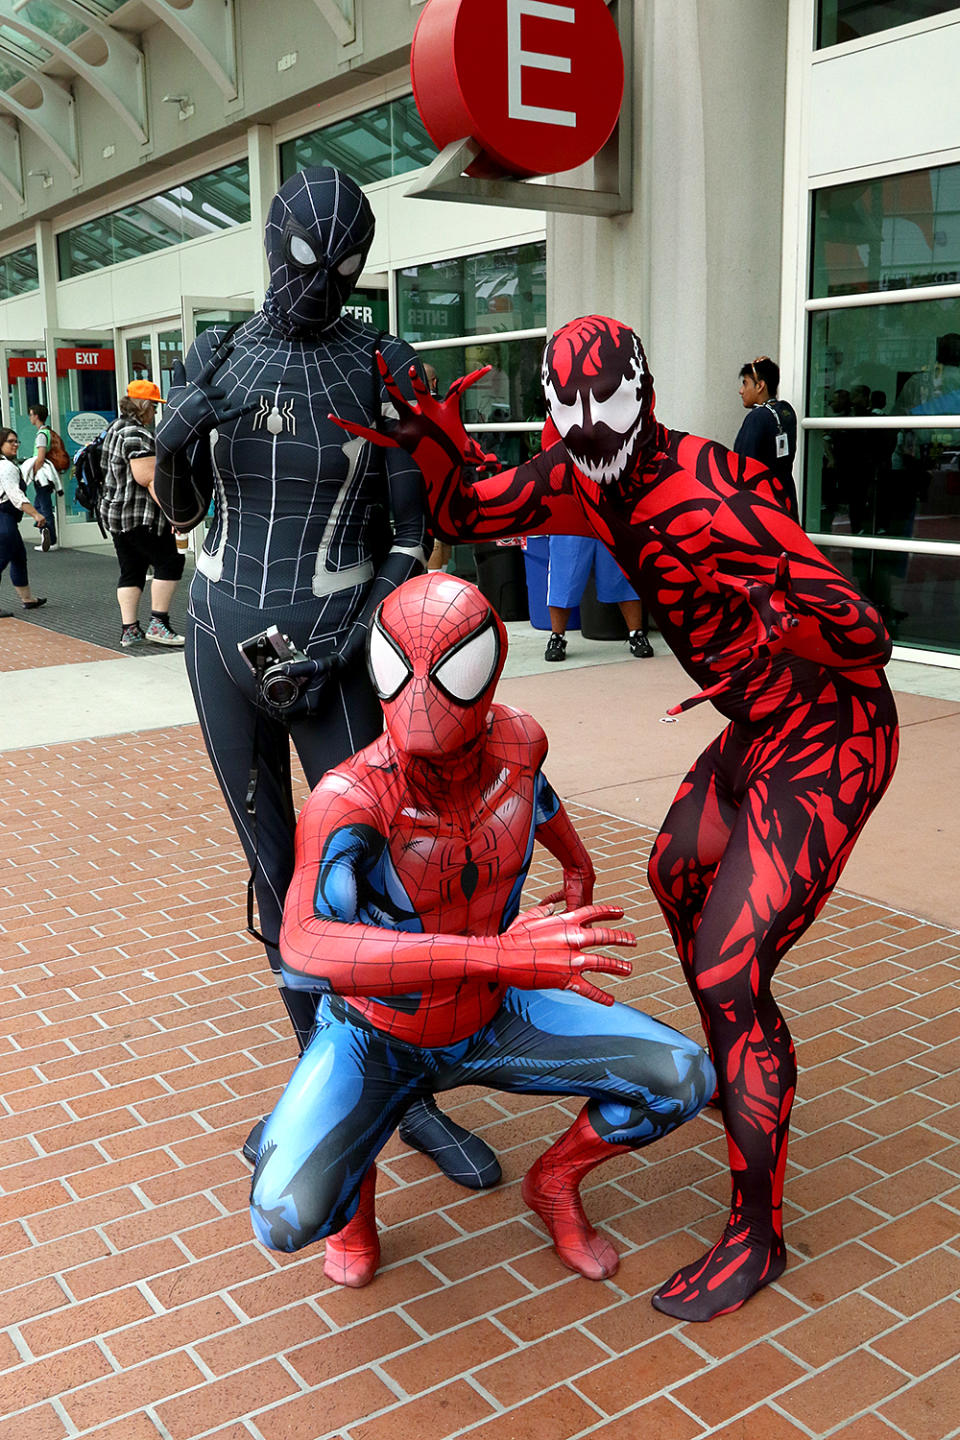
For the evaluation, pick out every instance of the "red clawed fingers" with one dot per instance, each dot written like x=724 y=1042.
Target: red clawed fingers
x=376 y=437
x=463 y=382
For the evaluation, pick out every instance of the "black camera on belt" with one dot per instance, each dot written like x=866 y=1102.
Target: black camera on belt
x=268 y=655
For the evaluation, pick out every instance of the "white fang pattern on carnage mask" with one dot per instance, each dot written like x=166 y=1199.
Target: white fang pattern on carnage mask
x=599 y=395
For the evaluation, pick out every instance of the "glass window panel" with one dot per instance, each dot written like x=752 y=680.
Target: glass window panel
x=841 y=20
x=138 y=358
x=906 y=355
x=474 y=294
x=918 y=595
x=890 y=233
x=892 y=483
x=171 y=350
x=53 y=21
x=17 y=41
x=18 y=272
x=10 y=74
x=388 y=139
x=510 y=392
x=203 y=206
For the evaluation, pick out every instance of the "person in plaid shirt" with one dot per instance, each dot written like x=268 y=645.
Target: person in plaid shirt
x=141 y=535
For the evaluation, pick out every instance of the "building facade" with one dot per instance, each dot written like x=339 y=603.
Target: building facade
x=795 y=166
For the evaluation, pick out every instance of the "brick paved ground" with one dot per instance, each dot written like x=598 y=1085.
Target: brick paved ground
x=141 y=1038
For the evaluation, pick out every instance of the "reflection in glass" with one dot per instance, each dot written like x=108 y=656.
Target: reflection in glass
x=841 y=20
x=906 y=356
x=211 y=203
x=893 y=232
x=510 y=391
x=19 y=272
x=899 y=484
x=918 y=595
x=138 y=358
x=170 y=344
x=474 y=294
x=388 y=139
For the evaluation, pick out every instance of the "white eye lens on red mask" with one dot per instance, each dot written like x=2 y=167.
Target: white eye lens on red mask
x=467 y=670
x=620 y=411
x=389 y=668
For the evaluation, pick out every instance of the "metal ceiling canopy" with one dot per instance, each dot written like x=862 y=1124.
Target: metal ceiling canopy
x=208 y=30
x=119 y=80
x=341 y=16
x=54 y=120
x=11 y=160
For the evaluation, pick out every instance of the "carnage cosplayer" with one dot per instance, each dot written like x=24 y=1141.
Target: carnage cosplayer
x=404 y=909
x=785 y=648
x=299 y=554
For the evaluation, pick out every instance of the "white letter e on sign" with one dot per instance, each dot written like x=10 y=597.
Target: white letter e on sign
x=519 y=59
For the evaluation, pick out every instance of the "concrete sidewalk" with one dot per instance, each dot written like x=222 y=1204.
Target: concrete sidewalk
x=141 y=1037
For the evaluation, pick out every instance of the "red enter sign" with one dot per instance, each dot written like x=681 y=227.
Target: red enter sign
x=537 y=83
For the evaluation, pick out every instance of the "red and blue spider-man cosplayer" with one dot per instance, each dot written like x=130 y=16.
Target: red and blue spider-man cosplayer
x=788 y=651
x=404 y=908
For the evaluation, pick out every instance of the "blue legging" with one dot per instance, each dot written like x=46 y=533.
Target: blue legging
x=354 y=1082
x=12 y=550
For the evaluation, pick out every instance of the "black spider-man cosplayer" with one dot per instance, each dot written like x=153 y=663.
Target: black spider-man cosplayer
x=787 y=650
x=301 y=540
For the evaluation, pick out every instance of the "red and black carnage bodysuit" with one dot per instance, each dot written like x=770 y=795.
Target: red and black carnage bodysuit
x=786 y=649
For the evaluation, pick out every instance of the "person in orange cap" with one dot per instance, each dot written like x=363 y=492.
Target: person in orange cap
x=141 y=534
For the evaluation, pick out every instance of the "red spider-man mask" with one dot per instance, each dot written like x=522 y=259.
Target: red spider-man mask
x=435 y=652
x=599 y=394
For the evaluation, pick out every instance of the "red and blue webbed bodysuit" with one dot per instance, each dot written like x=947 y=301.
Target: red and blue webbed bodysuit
x=404 y=912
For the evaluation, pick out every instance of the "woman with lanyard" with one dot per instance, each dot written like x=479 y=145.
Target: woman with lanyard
x=13 y=503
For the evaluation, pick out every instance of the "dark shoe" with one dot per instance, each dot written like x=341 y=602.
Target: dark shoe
x=556 y=648
x=34 y=604
x=6 y=614
x=251 y=1146
x=463 y=1158
x=640 y=647
x=45 y=539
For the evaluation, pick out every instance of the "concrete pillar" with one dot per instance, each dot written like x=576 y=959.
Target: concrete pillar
x=47 y=268
x=264 y=164
x=695 y=268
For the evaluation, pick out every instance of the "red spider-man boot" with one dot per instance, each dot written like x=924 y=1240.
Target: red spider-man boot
x=551 y=1187
x=353 y=1254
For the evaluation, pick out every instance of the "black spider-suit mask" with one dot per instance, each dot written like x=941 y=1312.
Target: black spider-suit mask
x=319 y=230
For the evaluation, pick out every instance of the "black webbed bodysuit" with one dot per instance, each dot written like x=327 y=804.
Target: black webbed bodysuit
x=309 y=533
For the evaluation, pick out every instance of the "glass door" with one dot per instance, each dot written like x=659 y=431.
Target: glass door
x=82 y=399
x=23 y=365
x=203 y=312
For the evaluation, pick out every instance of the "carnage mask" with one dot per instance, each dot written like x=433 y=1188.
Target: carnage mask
x=319 y=230
x=435 y=652
x=599 y=395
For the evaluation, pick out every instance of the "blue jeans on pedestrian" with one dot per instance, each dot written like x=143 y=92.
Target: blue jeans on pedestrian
x=45 y=501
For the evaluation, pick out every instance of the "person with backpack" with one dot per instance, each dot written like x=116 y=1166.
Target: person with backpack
x=44 y=468
x=142 y=536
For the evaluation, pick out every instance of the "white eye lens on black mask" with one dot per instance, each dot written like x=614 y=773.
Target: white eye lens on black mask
x=350 y=266
x=300 y=252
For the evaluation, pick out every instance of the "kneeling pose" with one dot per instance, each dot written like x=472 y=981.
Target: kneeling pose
x=404 y=910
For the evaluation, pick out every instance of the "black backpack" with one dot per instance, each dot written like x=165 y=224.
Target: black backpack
x=88 y=474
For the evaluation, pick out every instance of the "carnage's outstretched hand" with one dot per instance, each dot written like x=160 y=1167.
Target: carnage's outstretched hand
x=431 y=431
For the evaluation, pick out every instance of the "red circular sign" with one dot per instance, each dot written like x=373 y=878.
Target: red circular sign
x=537 y=83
